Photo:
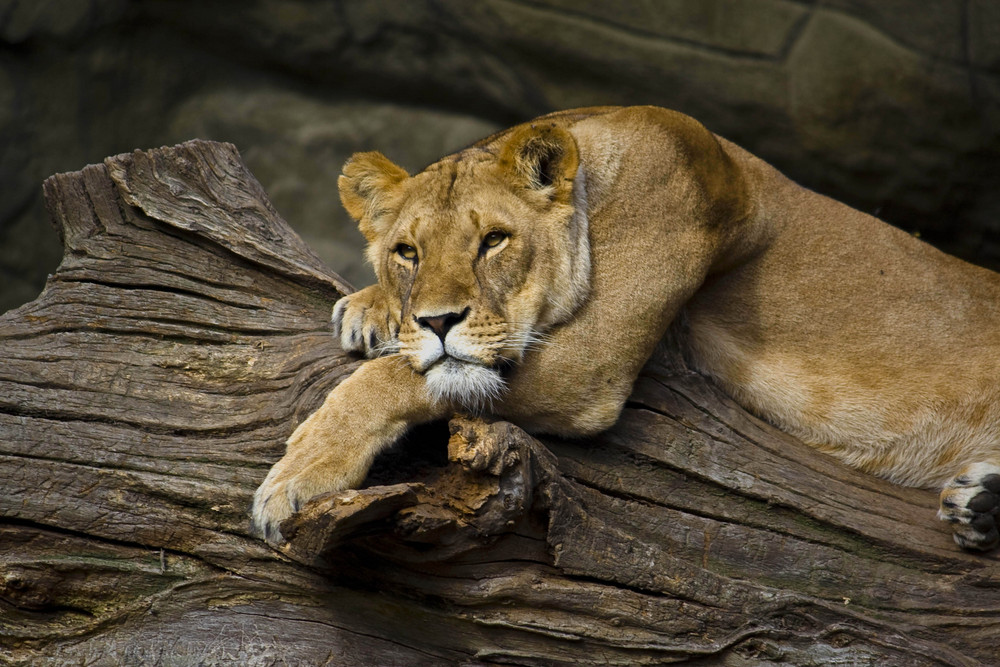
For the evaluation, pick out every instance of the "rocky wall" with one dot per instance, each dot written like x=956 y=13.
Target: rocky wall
x=891 y=105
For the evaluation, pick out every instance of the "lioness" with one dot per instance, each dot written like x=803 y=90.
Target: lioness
x=532 y=274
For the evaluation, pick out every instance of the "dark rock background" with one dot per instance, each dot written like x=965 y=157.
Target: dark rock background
x=890 y=105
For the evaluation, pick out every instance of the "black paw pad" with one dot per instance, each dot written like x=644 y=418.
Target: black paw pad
x=983 y=502
x=984 y=523
x=991 y=483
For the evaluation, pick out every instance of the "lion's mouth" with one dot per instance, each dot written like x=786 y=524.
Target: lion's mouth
x=474 y=386
x=500 y=365
x=436 y=354
x=449 y=355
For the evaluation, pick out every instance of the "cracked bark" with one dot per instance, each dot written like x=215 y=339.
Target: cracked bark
x=148 y=389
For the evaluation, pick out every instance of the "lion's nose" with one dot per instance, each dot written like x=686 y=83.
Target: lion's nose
x=442 y=324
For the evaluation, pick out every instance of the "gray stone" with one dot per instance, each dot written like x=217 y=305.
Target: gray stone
x=744 y=98
x=29 y=251
x=855 y=92
x=984 y=34
x=15 y=153
x=762 y=28
x=24 y=19
x=934 y=27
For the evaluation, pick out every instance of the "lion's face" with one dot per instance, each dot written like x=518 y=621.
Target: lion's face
x=483 y=254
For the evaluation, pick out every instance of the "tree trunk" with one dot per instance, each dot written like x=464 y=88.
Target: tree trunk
x=146 y=392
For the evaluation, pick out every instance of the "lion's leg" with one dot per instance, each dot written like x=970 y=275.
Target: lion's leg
x=577 y=381
x=970 y=501
x=333 y=449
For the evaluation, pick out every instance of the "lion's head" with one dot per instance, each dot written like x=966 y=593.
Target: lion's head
x=481 y=253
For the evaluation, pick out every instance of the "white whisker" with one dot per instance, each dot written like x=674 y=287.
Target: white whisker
x=531 y=340
x=386 y=347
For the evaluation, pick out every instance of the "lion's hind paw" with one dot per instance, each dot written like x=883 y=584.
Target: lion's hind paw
x=970 y=502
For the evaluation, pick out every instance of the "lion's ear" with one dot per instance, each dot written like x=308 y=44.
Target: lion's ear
x=366 y=186
x=542 y=157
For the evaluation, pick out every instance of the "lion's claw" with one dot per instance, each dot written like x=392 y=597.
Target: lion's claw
x=271 y=506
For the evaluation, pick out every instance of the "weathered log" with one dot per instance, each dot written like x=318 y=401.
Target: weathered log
x=146 y=392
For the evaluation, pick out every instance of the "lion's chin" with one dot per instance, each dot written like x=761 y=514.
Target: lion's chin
x=472 y=386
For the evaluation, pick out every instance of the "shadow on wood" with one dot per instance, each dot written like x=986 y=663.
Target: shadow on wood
x=145 y=393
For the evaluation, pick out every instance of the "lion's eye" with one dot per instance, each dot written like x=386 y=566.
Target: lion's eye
x=493 y=239
x=407 y=252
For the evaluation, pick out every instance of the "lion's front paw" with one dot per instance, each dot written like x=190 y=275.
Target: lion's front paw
x=271 y=506
x=364 y=323
x=288 y=486
x=970 y=502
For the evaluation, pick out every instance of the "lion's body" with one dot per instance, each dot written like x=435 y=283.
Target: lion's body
x=856 y=337
x=614 y=223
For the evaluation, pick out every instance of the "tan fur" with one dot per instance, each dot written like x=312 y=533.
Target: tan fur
x=850 y=334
